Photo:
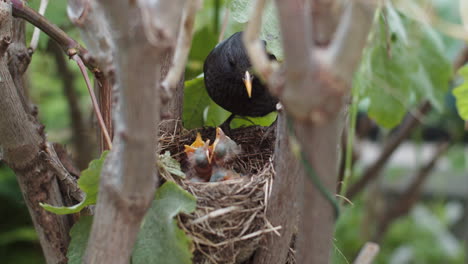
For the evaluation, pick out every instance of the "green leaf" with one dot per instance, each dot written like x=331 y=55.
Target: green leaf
x=461 y=94
x=88 y=183
x=249 y=121
x=79 y=239
x=18 y=234
x=160 y=240
x=199 y=110
x=404 y=64
x=196 y=99
x=214 y=115
x=241 y=11
x=203 y=42
x=170 y=165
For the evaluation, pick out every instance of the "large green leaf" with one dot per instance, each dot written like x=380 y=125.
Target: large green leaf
x=461 y=94
x=404 y=63
x=196 y=99
x=79 y=239
x=241 y=11
x=88 y=183
x=160 y=239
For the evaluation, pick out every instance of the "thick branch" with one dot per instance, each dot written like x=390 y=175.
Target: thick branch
x=25 y=150
x=314 y=97
x=143 y=32
x=69 y=45
x=324 y=15
x=284 y=204
x=350 y=38
x=95 y=31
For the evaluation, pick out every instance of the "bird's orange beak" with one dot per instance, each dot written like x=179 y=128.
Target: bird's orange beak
x=248 y=83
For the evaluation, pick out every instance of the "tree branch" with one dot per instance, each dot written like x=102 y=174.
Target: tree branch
x=81 y=143
x=314 y=97
x=69 y=45
x=372 y=172
x=255 y=48
x=26 y=152
x=95 y=31
x=143 y=32
x=37 y=31
x=285 y=199
x=410 y=196
x=182 y=49
x=350 y=39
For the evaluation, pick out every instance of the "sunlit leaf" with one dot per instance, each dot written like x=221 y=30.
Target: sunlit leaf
x=461 y=94
x=404 y=63
x=160 y=239
x=196 y=99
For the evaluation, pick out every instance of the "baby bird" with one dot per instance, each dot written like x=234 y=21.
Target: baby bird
x=224 y=149
x=221 y=174
x=198 y=155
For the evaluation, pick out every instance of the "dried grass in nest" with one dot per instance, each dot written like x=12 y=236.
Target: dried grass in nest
x=229 y=221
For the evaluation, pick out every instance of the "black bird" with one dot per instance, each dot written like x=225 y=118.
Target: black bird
x=230 y=83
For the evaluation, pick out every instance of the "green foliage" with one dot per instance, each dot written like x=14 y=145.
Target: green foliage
x=170 y=165
x=199 y=110
x=160 y=239
x=79 y=238
x=25 y=233
x=404 y=63
x=88 y=183
x=461 y=94
x=242 y=10
x=424 y=233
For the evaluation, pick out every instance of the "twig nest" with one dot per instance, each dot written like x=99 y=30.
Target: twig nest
x=229 y=221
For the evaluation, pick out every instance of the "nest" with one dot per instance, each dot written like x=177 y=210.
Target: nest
x=229 y=220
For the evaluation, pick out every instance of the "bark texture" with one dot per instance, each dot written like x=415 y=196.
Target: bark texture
x=313 y=89
x=24 y=147
x=141 y=35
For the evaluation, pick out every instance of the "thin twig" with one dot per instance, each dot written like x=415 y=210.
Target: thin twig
x=68 y=44
x=82 y=67
x=224 y=26
x=37 y=31
x=367 y=254
x=409 y=124
x=184 y=41
x=410 y=196
x=254 y=46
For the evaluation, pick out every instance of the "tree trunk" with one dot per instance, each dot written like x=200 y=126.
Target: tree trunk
x=24 y=147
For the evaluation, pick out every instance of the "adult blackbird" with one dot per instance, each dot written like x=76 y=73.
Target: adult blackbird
x=230 y=83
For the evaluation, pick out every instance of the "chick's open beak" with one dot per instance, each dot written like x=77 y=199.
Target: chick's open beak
x=248 y=83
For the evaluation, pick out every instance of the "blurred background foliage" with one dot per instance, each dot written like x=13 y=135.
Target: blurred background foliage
x=404 y=63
